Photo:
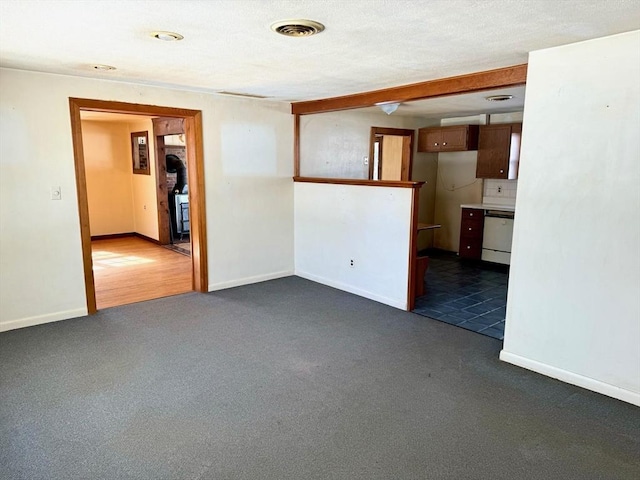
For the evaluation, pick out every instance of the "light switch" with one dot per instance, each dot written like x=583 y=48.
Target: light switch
x=56 y=193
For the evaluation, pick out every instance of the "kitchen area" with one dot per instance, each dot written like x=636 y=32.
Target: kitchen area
x=466 y=281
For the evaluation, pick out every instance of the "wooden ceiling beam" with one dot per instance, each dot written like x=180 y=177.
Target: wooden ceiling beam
x=473 y=82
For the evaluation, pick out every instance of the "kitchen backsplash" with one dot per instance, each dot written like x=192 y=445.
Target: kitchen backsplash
x=500 y=192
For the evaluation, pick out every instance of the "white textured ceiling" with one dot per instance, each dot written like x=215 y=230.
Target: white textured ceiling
x=228 y=45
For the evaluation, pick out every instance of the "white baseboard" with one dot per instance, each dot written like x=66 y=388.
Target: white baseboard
x=572 y=378
x=401 y=304
x=249 y=280
x=40 y=319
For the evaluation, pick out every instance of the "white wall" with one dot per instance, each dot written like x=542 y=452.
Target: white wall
x=108 y=169
x=337 y=223
x=334 y=144
x=249 y=191
x=573 y=310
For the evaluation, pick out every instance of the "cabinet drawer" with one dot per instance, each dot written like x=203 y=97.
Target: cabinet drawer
x=471 y=248
x=471 y=229
x=472 y=214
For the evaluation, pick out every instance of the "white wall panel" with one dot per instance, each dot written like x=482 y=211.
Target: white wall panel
x=573 y=310
x=335 y=224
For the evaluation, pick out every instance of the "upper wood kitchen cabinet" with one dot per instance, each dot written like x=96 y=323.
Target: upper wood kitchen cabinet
x=456 y=138
x=499 y=151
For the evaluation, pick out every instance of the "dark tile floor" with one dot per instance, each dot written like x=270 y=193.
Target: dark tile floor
x=467 y=294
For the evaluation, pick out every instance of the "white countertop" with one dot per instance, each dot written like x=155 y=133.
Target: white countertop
x=489 y=206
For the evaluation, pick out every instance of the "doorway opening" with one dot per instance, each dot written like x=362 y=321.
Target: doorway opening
x=391 y=151
x=192 y=124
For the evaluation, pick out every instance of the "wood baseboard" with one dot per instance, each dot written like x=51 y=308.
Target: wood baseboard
x=125 y=235
x=148 y=239
x=112 y=236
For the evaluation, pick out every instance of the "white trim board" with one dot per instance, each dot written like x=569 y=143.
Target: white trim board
x=572 y=378
x=40 y=319
x=397 y=303
x=249 y=280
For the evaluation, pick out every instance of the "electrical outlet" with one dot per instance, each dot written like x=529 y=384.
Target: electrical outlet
x=365 y=160
x=351 y=263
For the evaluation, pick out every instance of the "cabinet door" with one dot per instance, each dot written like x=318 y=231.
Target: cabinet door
x=493 y=151
x=454 y=139
x=429 y=139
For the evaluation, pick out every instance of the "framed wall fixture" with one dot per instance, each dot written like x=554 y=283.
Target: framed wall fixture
x=140 y=152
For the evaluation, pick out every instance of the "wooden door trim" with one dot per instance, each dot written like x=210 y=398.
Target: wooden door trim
x=413 y=249
x=195 y=168
x=296 y=145
x=162 y=197
x=164 y=126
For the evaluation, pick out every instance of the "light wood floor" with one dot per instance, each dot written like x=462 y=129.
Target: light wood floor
x=128 y=270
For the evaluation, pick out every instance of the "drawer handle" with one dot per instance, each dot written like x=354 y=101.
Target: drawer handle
x=471 y=214
x=468 y=247
x=469 y=228
x=501 y=171
x=435 y=144
x=444 y=143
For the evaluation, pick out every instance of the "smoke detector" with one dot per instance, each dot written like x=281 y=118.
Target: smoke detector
x=297 y=28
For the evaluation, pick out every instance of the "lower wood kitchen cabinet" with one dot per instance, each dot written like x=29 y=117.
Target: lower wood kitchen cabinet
x=471 y=228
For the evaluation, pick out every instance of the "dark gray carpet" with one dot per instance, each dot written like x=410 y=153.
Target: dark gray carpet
x=291 y=380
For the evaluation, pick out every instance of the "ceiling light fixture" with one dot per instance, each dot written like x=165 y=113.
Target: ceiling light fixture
x=106 y=68
x=389 y=108
x=167 y=36
x=297 y=28
x=498 y=98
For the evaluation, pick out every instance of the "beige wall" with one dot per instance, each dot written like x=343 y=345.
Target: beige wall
x=107 y=156
x=119 y=201
x=143 y=187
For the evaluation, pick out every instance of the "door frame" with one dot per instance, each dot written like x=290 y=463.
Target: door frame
x=407 y=149
x=161 y=127
x=195 y=173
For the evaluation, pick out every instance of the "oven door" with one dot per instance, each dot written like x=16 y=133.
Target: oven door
x=496 y=239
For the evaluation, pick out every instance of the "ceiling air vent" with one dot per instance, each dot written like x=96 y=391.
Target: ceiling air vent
x=499 y=98
x=297 y=28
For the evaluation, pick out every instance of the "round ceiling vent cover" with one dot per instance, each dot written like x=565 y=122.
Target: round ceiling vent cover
x=297 y=28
